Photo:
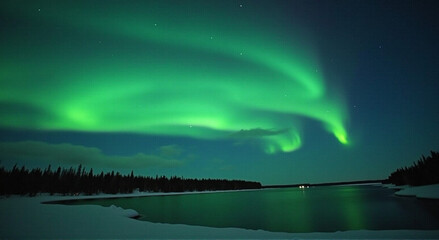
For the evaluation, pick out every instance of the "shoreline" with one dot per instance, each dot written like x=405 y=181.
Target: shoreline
x=425 y=192
x=30 y=217
x=430 y=192
x=133 y=195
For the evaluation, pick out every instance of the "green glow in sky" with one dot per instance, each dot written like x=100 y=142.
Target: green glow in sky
x=173 y=74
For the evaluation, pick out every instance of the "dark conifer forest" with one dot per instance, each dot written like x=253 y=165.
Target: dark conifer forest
x=423 y=172
x=80 y=180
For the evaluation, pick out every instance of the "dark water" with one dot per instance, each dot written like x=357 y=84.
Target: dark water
x=317 y=209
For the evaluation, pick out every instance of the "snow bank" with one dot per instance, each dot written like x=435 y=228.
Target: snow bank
x=125 y=212
x=393 y=186
x=427 y=192
x=56 y=198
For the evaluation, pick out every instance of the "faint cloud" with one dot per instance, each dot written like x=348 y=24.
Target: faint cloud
x=65 y=153
x=217 y=161
x=227 y=167
x=170 y=151
x=256 y=133
x=220 y=164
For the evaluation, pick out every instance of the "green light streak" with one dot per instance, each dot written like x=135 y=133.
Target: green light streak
x=352 y=208
x=188 y=76
x=287 y=142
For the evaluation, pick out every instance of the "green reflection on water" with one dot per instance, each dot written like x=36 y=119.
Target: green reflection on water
x=351 y=207
x=315 y=209
x=295 y=213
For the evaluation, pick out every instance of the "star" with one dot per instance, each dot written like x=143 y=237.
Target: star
x=240 y=5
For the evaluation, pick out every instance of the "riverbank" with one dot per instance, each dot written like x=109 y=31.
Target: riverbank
x=26 y=217
x=423 y=192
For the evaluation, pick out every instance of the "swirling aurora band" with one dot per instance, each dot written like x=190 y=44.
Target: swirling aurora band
x=186 y=79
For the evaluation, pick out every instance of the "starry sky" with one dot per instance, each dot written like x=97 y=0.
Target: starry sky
x=279 y=92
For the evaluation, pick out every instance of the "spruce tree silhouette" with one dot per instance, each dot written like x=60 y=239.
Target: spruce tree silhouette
x=75 y=181
x=423 y=172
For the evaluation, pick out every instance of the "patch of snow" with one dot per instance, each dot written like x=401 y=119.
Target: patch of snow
x=427 y=191
x=125 y=212
x=393 y=186
x=129 y=195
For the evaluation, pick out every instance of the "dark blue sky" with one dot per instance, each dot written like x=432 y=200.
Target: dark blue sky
x=381 y=57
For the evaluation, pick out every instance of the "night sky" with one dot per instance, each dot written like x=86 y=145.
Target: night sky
x=279 y=92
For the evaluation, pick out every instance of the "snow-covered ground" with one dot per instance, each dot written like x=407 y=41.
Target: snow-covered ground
x=26 y=217
x=392 y=186
x=426 y=192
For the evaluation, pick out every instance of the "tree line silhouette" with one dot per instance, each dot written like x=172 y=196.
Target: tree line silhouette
x=75 y=181
x=423 y=172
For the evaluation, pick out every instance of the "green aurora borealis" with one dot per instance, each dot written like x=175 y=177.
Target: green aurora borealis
x=280 y=92
x=203 y=80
